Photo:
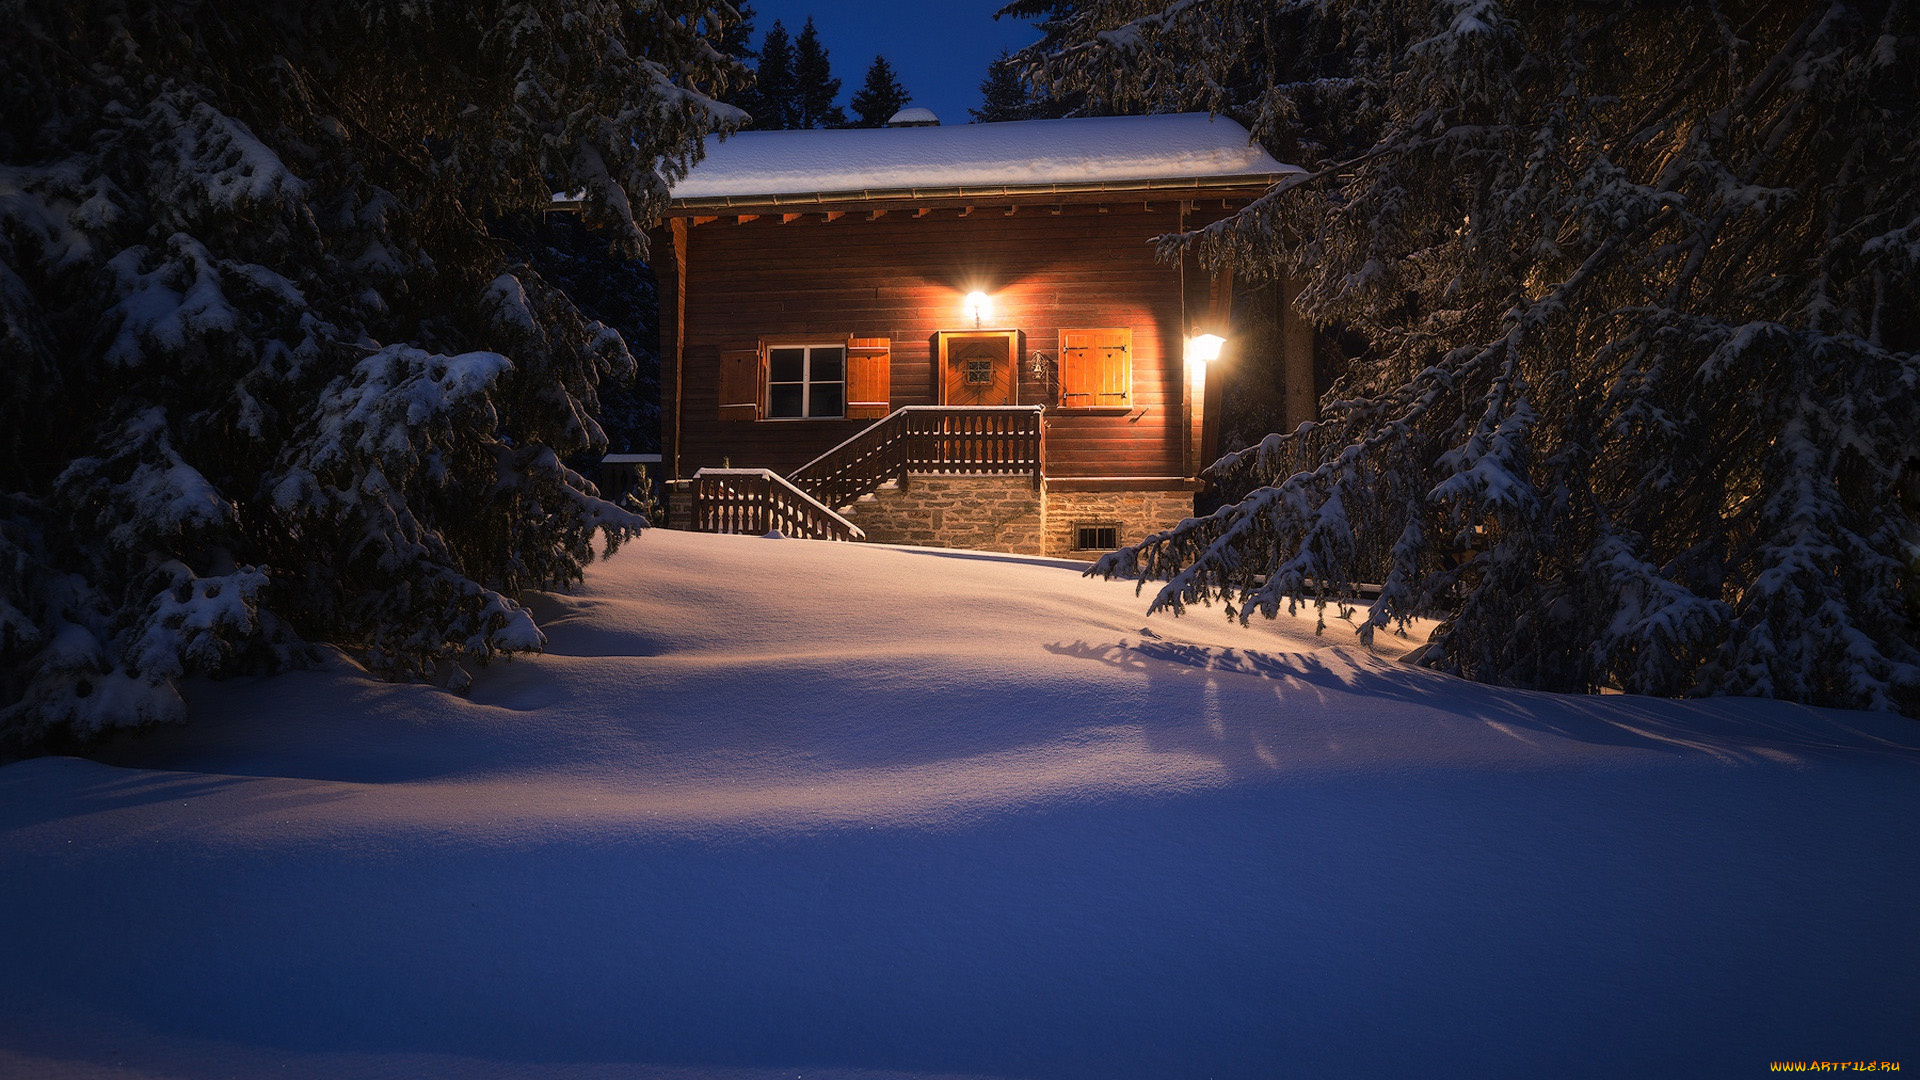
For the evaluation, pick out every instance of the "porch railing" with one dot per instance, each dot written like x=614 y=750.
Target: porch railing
x=757 y=501
x=927 y=439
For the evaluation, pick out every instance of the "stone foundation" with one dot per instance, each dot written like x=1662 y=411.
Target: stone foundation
x=1132 y=514
x=986 y=513
x=995 y=513
x=678 y=503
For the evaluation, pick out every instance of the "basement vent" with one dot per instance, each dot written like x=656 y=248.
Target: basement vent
x=1096 y=537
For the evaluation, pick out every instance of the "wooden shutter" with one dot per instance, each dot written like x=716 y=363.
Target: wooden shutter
x=742 y=381
x=1096 y=368
x=869 y=378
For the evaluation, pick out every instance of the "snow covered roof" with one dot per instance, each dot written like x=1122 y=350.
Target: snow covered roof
x=1089 y=153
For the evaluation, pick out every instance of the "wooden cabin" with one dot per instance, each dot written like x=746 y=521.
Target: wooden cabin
x=950 y=336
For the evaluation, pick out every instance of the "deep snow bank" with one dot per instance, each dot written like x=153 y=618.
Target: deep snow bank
x=786 y=808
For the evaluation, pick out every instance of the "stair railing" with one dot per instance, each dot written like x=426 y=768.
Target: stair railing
x=983 y=439
x=759 y=501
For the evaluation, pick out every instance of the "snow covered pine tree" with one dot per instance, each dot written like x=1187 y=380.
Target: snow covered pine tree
x=1640 y=405
x=268 y=377
x=1002 y=95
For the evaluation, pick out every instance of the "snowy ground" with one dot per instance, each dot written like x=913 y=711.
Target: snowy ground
x=775 y=808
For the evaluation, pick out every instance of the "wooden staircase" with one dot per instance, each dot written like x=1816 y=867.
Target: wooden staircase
x=976 y=439
x=760 y=501
x=980 y=439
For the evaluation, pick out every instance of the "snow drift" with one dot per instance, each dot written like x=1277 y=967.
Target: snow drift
x=777 y=808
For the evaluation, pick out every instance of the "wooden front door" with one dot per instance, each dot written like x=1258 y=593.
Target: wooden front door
x=979 y=368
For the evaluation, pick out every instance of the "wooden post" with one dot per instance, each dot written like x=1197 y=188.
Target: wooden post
x=1212 y=390
x=678 y=241
x=1215 y=399
x=1040 y=452
x=1187 y=262
x=1192 y=436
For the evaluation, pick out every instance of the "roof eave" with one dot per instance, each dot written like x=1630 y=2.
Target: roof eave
x=1249 y=184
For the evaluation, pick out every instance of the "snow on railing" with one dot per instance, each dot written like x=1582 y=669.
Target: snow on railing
x=757 y=501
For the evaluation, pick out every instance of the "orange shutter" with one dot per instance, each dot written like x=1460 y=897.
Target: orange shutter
x=741 y=381
x=869 y=378
x=1096 y=368
x=1074 y=361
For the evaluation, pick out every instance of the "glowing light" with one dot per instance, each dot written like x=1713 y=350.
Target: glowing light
x=1205 y=347
x=978 y=307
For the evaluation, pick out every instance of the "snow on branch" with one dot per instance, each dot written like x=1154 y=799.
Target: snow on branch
x=268 y=369
x=1636 y=406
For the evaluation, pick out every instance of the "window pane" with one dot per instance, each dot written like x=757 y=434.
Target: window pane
x=786 y=365
x=783 y=399
x=829 y=365
x=829 y=399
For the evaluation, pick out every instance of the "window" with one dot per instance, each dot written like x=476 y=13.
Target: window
x=1095 y=537
x=849 y=379
x=806 y=380
x=1096 y=369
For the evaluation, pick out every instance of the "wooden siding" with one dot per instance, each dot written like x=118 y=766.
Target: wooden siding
x=902 y=276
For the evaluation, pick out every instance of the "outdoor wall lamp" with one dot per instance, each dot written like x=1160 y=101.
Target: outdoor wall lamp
x=978 y=307
x=1205 y=347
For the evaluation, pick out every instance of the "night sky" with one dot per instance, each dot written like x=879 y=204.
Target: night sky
x=941 y=49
